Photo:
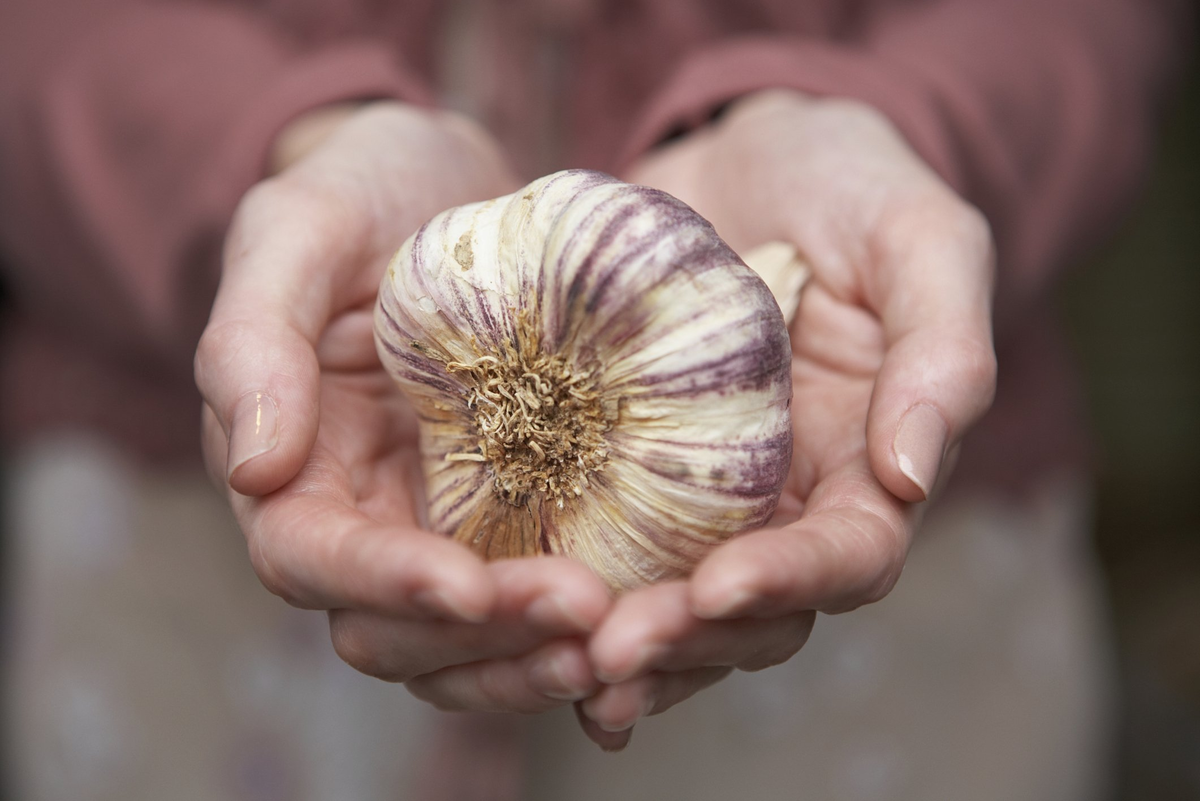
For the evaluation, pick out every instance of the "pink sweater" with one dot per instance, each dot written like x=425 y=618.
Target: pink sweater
x=129 y=129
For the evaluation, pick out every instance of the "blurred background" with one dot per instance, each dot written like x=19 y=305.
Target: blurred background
x=1134 y=316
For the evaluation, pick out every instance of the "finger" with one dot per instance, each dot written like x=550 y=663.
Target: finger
x=310 y=547
x=846 y=551
x=287 y=260
x=536 y=601
x=608 y=741
x=553 y=675
x=934 y=287
x=618 y=707
x=399 y=649
x=559 y=596
x=843 y=337
x=654 y=629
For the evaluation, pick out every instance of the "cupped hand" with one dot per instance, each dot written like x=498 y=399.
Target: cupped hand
x=318 y=452
x=892 y=363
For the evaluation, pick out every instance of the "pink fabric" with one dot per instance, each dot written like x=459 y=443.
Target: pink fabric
x=129 y=129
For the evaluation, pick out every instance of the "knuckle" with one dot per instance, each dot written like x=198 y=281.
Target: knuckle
x=966 y=226
x=257 y=198
x=258 y=207
x=982 y=371
x=220 y=342
x=303 y=206
x=285 y=197
x=972 y=229
x=935 y=212
x=971 y=363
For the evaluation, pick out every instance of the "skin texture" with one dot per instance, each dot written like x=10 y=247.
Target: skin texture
x=896 y=318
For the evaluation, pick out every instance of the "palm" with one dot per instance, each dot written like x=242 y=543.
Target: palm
x=829 y=408
x=369 y=434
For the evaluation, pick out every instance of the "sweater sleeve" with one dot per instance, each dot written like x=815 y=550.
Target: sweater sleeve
x=129 y=130
x=1040 y=112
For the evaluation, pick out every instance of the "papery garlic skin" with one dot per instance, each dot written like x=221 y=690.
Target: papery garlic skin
x=784 y=271
x=596 y=375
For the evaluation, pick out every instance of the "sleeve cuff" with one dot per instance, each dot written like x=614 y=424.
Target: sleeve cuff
x=720 y=74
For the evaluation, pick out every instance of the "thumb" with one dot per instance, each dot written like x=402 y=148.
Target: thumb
x=939 y=372
x=256 y=364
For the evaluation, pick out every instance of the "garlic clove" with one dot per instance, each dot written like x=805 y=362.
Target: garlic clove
x=596 y=374
x=785 y=272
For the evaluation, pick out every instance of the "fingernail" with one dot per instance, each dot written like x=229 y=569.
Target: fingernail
x=255 y=429
x=554 y=611
x=920 y=444
x=552 y=676
x=439 y=604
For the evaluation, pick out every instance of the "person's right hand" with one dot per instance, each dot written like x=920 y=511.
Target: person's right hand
x=318 y=451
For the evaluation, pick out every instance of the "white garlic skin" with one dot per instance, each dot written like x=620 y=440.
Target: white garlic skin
x=679 y=351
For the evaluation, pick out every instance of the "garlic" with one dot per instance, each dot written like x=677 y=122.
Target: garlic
x=596 y=375
x=785 y=273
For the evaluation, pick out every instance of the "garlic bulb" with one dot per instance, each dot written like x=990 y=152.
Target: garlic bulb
x=596 y=375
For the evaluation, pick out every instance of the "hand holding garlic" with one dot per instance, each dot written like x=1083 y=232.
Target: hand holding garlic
x=319 y=454
x=892 y=363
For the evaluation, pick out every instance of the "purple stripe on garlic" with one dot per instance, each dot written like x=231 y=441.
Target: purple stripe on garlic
x=596 y=375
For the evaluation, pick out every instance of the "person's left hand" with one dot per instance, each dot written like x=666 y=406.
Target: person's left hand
x=892 y=363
